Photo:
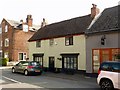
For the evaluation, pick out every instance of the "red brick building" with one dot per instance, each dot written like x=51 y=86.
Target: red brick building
x=15 y=36
x=0 y=42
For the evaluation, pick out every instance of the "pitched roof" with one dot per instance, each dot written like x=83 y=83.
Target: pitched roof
x=108 y=21
x=16 y=24
x=13 y=23
x=68 y=27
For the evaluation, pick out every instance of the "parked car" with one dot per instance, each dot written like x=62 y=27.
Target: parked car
x=109 y=75
x=27 y=67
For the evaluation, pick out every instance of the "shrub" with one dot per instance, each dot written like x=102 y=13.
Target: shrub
x=0 y=62
x=4 y=61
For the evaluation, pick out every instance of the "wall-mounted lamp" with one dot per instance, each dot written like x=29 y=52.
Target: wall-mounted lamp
x=59 y=58
x=103 y=40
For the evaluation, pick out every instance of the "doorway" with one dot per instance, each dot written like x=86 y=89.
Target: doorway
x=51 y=64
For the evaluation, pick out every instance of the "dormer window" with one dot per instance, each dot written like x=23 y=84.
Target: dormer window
x=6 y=28
x=25 y=28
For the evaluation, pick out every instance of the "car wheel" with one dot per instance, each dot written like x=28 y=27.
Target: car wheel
x=13 y=70
x=26 y=72
x=106 y=85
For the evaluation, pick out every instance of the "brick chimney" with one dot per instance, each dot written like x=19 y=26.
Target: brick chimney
x=43 y=23
x=29 y=20
x=94 y=10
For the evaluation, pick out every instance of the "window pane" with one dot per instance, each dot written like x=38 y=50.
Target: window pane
x=67 y=41
x=75 y=63
x=116 y=54
x=6 y=55
x=105 y=55
x=6 y=28
x=51 y=42
x=6 y=42
x=96 y=60
x=20 y=56
x=38 y=43
x=70 y=62
x=71 y=41
x=65 y=63
x=25 y=64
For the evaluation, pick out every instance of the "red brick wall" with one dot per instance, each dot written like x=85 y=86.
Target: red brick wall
x=18 y=41
x=21 y=43
x=6 y=35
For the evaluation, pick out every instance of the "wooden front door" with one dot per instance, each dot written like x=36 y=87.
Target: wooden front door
x=51 y=64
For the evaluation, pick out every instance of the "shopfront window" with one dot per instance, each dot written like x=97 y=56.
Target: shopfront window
x=96 y=60
x=115 y=54
x=70 y=62
x=107 y=54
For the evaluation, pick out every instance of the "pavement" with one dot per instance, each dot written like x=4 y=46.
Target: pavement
x=74 y=77
x=5 y=67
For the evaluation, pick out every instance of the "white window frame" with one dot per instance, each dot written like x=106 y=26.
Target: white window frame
x=68 y=40
x=6 y=55
x=24 y=56
x=6 y=28
x=51 y=42
x=38 y=44
x=25 y=28
x=6 y=42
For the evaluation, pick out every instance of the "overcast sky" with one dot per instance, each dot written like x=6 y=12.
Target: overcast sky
x=51 y=10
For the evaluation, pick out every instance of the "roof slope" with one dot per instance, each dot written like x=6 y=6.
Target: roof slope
x=13 y=23
x=16 y=24
x=68 y=27
x=108 y=21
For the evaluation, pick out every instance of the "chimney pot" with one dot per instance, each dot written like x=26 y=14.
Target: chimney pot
x=44 y=23
x=29 y=20
x=21 y=20
x=94 y=5
x=94 y=11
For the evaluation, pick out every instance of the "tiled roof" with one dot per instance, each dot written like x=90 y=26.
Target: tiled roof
x=13 y=23
x=16 y=24
x=108 y=21
x=68 y=27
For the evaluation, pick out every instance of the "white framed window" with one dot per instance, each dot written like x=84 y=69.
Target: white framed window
x=70 y=62
x=51 y=42
x=25 y=28
x=6 y=42
x=6 y=55
x=6 y=28
x=38 y=43
x=69 y=40
x=22 y=56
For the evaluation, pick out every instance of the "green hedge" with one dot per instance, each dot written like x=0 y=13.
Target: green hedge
x=0 y=62
x=4 y=61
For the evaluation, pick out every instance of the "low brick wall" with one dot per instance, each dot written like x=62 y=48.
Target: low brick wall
x=11 y=63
